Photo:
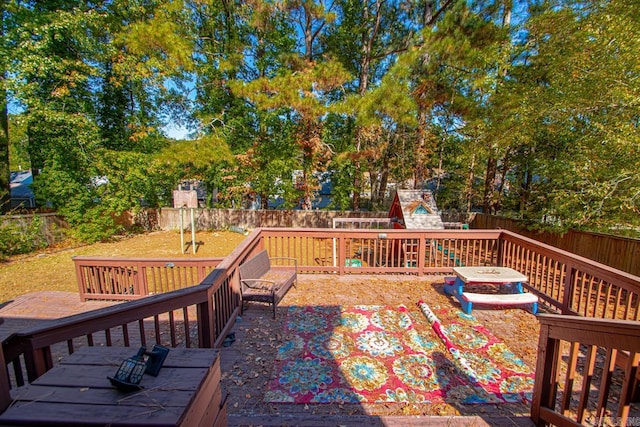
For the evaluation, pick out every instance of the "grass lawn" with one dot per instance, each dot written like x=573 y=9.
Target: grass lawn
x=53 y=269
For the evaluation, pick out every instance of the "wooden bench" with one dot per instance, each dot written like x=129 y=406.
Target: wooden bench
x=260 y=282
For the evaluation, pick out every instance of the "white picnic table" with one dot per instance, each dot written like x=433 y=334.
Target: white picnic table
x=492 y=275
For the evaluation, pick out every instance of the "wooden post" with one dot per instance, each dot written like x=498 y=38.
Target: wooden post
x=193 y=231
x=568 y=288
x=37 y=361
x=5 y=396
x=422 y=253
x=182 y=229
x=82 y=286
x=544 y=390
x=500 y=250
x=206 y=335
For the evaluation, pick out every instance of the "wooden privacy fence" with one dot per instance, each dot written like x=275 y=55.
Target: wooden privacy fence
x=219 y=219
x=132 y=278
x=618 y=252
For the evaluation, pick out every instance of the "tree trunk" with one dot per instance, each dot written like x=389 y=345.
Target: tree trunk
x=368 y=38
x=419 y=169
x=357 y=184
x=503 y=174
x=489 y=182
x=492 y=162
x=470 y=178
x=524 y=194
x=5 y=173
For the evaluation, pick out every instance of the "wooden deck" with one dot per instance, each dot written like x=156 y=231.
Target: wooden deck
x=37 y=308
x=246 y=365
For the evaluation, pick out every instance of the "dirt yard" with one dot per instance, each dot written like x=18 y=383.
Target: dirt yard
x=53 y=269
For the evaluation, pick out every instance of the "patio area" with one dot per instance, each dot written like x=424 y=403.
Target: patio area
x=248 y=364
x=597 y=321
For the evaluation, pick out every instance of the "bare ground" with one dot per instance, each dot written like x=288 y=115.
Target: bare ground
x=53 y=270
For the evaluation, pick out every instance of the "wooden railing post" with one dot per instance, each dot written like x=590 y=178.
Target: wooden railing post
x=422 y=253
x=500 y=250
x=141 y=280
x=342 y=250
x=82 y=286
x=5 y=396
x=544 y=392
x=206 y=328
x=37 y=361
x=567 y=297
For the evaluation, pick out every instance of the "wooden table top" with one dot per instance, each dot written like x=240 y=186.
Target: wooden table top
x=77 y=392
x=489 y=275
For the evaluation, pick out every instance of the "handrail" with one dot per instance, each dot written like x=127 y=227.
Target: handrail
x=571 y=283
x=118 y=278
x=589 y=337
x=215 y=300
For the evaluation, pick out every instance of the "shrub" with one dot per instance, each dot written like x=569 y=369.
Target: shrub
x=16 y=238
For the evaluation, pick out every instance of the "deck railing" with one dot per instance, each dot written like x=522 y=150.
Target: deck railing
x=383 y=251
x=202 y=315
x=572 y=284
x=195 y=316
x=133 y=278
x=572 y=387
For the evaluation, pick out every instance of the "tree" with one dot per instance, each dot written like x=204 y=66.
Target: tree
x=303 y=92
x=311 y=17
x=583 y=94
x=92 y=82
x=5 y=191
x=366 y=36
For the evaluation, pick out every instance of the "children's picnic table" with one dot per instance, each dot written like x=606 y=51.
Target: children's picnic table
x=503 y=276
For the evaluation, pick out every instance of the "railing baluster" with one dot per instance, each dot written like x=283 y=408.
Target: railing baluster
x=628 y=388
x=187 y=330
x=605 y=382
x=156 y=328
x=570 y=376
x=5 y=385
x=17 y=371
x=107 y=337
x=172 y=329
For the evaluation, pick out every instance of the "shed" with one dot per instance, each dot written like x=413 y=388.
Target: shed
x=415 y=209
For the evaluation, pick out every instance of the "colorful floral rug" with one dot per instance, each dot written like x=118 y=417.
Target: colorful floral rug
x=381 y=354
